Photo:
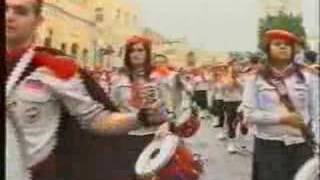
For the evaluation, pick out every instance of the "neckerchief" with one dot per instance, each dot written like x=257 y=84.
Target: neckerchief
x=276 y=78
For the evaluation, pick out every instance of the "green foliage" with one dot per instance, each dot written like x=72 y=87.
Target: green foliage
x=241 y=55
x=283 y=21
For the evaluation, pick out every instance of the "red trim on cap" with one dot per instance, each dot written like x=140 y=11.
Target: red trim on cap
x=138 y=39
x=280 y=34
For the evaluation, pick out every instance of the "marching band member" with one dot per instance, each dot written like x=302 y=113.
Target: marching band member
x=168 y=78
x=282 y=101
x=106 y=77
x=39 y=86
x=200 y=89
x=176 y=89
x=218 y=104
x=135 y=91
x=232 y=99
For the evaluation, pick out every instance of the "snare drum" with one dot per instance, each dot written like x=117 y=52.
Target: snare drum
x=168 y=159
x=187 y=124
x=310 y=170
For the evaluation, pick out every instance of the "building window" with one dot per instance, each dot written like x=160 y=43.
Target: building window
x=99 y=14
x=47 y=42
x=99 y=17
x=74 y=49
x=98 y=9
x=127 y=19
x=84 y=57
x=48 y=39
x=118 y=15
x=63 y=47
x=121 y=52
x=50 y=31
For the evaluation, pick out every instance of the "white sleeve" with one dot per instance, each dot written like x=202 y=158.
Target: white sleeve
x=75 y=97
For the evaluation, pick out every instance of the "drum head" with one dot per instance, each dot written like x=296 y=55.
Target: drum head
x=156 y=155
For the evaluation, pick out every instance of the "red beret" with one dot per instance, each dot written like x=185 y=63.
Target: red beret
x=138 y=39
x=280 y=34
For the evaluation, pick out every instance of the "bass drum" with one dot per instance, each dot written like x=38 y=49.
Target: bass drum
x=310 y=170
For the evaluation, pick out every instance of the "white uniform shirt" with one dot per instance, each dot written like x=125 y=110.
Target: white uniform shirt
x=38 y=99
x=121 y=95
x=218 y=91
x=264 y=109
x=232 y=94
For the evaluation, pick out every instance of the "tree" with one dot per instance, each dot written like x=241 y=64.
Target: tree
x=236 y=55
x=283 y=21
x=241 y=55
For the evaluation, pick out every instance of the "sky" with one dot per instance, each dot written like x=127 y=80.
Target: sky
x=311 y=14
x=214 y=25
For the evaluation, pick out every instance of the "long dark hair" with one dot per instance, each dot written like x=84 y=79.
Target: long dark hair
x=128 y=49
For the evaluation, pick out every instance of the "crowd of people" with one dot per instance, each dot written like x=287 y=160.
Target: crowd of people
x=65 y=122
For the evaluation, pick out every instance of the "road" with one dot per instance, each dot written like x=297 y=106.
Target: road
x=219 y=164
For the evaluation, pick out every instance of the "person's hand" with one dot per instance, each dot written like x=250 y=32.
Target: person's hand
x=150 y=96
x=152 y=107
x=163 y=130
x=293 y=120
x=151 y=115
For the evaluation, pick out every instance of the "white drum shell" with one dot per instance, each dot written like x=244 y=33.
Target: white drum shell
x=310 y=170
x=147 y=166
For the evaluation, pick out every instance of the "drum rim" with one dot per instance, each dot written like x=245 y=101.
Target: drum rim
x=180 y=121
x=310 y=169
x=140 y=167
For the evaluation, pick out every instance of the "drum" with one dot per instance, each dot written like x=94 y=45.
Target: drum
x=187 y=124
x=310 y=170
x=167 y=158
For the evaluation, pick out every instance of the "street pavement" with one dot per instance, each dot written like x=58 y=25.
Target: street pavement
x=219 y=164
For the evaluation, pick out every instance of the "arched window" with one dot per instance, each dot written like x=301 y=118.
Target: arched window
x=74 y=49
x=63 y=47
x=118 y=15
x=85 y=56
x=47 y=42
x=127 y=19
x=99 y=14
